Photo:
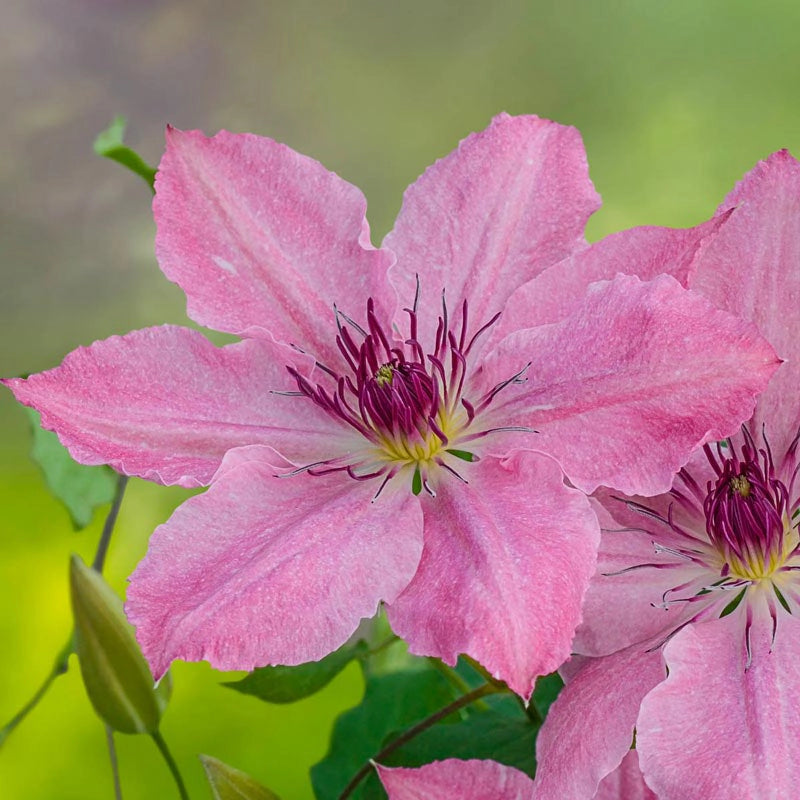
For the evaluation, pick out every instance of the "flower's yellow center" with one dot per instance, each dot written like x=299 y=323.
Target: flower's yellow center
x=760 y=563
x=384 y=375
x=422 y=448
x=741 y=485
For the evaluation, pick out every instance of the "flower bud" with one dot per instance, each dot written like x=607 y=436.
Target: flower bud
x=117 y=678
x=228 y=783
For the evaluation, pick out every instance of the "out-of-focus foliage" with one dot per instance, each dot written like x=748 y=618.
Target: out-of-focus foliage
x=81 y=489
x=110 y=144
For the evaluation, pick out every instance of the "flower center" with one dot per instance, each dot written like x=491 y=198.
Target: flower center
x=408 y=404
x=735 y=543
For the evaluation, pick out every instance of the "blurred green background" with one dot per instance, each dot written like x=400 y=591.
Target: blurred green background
x=675 y=100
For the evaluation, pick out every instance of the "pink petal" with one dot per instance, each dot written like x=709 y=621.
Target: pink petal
x=624 y=389
x=619 y=609
x=589 y=728
x=751 y=269
x=166 y=404
x=717 y=730
x=456 y=780
x=646 y=252
x=262 y=238
x=506 y=562
x=625 y=782
x=510 y=201
x=266 y=570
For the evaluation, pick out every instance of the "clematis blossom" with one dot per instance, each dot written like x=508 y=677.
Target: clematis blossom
x=454 y=779
x=385 y=430
x=691 y=631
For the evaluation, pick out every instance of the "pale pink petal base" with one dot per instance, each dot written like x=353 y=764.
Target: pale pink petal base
x=266 y=570
x=454 y=779
x=508 y=202
x=620 y=609
x=166 y=404
x=263 y=238
x=625 y=782
x=626 y=387
x=589 y=728
x=506 y=563
x=717 y=730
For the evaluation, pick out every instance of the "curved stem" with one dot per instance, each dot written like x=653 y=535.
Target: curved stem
x=173 y=767
x=388 y=642
x=61 y=664
x=464 y=700
x=108 y=527
x=452 y=677
x=112 y=754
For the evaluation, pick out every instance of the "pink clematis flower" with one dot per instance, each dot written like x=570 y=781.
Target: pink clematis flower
x=372 y=437
x=691 y=629
x=487 y=780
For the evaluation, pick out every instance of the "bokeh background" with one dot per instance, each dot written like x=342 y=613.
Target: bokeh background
x=675 y=100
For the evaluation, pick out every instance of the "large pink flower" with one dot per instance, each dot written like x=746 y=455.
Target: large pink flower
x=372 y=437
x=704 y=581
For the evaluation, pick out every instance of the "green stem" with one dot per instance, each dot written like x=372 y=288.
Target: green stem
x=455 y=679
x=108 y=527
x=529 y=709
x=61 y=664
x=382 y=646
x=173 y=767
x=461 y=702
x=112 y=754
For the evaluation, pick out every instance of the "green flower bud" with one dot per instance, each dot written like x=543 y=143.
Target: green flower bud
x=116 y=676
x=228 y=783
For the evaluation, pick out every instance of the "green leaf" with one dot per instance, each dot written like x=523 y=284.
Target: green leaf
x=81 y=489
x=546 y=691
x=392 y=701
x=464 y=455
x=287 y=684
x=484 y=734
x=117 y=679
x=109 y=144
x=416 y=482
x=228 y=783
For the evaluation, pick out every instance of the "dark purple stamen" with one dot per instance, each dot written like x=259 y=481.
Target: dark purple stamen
x=746 y=508
x=405 y=401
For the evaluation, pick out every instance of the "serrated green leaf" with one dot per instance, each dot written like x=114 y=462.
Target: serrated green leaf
x=391 y=702
x=117 y=679
x=483 y=734
x=287 y=684
x=81 y=489
x=546 y=691
x=109 y=144
x=228 y=783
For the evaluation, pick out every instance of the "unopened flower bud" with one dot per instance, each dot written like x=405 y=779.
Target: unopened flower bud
x=117 y=678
